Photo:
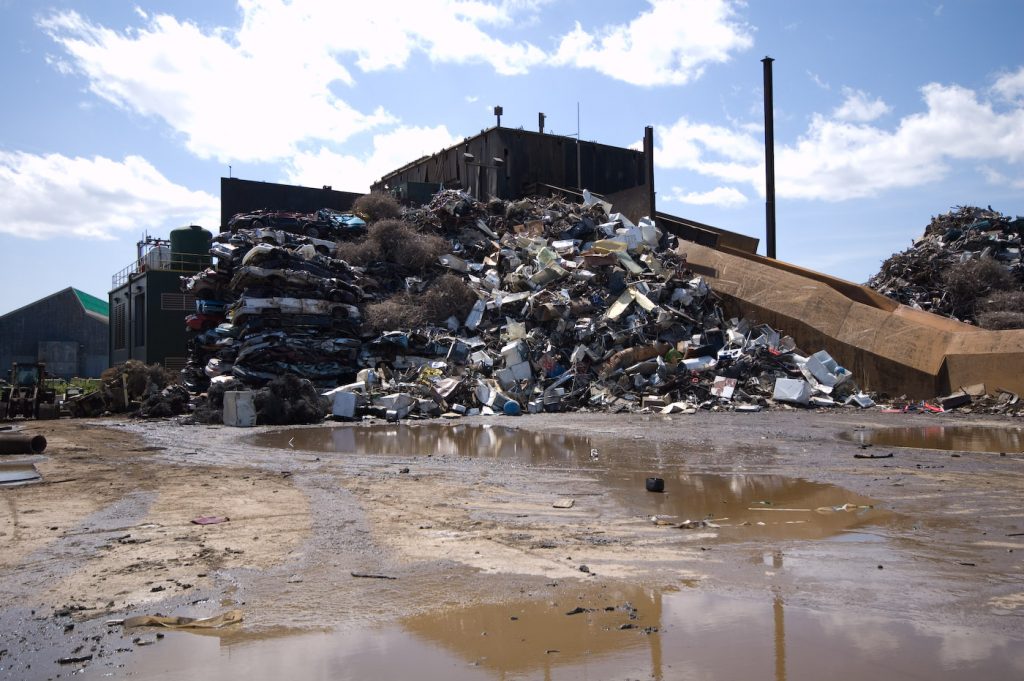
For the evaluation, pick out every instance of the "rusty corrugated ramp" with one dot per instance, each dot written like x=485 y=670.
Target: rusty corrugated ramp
x=891 y=348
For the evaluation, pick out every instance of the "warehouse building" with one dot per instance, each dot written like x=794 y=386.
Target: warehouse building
x=67 y=330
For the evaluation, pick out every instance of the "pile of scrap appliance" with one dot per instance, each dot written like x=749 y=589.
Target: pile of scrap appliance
x=26 y=394
x=463 y=307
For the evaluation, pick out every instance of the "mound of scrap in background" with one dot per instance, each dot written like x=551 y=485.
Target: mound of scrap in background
x=966 y=266
x=463 y=307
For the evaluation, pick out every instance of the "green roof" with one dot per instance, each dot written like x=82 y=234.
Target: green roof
x=92 y=303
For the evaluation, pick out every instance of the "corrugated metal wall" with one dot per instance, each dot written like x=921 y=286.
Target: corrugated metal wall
x=47 y=330
x=239 y=196
x=527 y=158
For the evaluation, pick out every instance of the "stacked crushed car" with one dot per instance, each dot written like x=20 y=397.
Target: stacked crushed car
x=966 y=266
x=541 y=304
x=292 y=307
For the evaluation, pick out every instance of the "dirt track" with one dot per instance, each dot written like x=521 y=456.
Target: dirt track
x=108 y=534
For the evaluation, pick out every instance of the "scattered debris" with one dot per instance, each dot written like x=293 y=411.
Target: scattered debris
x=12 y=474
x=695 y=525
x=21 y=443
x=215 y=622
x=210 y=520
x=655 y=484
x=365 y=575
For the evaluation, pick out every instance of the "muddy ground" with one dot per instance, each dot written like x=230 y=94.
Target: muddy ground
x=437 y=550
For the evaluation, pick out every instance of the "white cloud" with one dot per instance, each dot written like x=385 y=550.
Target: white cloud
x=230 y=102
x=262 y=91
x=859 y=108
x=837 y=159
x=688 y=145
x=273 y=85
x=1010 y=86
x=56 y=196
x=669 y=45
x=818 y=80
x=723 y=197
x=356 y=173
x=999 y=179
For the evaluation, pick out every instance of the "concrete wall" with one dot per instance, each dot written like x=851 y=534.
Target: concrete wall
x=890 y=348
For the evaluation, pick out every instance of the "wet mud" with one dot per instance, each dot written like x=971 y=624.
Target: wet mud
x=483 y=550
x=739 y=506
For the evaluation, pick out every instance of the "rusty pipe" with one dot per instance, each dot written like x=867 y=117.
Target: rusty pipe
x=17 y=443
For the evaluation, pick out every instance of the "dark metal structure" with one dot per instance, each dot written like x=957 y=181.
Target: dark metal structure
x=508 y=163
x=243 y=196
x=66 y=330
x=147 y=307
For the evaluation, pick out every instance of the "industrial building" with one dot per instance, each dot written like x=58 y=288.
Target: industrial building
x=67 y=330
x=147 y=307
x=509 y=163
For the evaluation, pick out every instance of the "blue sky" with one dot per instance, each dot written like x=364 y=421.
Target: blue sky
x=120 y=119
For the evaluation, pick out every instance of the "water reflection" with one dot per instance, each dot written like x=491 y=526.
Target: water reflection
x=750 y=506
x=743 y=506
x=525 y=638
x=952 y=438
x=667 y=635
x=496 y=442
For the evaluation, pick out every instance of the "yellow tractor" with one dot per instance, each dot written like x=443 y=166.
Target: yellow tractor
x=27 y=395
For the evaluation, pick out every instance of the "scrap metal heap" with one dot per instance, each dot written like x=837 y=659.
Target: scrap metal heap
x=966 y=266
x=534 y=305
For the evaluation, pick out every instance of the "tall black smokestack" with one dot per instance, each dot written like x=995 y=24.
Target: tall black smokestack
x=769 y=157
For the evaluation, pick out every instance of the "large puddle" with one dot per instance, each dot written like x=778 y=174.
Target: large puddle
x=496 y=442
x=734 y=506
x=950 y=438
x=613 y=634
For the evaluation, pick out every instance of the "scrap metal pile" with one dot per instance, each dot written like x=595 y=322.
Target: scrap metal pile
x=147 y=390
x=966 y=266
x=463 y=307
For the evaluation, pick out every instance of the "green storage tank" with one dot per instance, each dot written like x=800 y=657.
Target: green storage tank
x=190 y=248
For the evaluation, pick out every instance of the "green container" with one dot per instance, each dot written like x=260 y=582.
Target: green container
x=190 y=248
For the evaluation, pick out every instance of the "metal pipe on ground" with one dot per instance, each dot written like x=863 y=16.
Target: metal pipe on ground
x=18 y=443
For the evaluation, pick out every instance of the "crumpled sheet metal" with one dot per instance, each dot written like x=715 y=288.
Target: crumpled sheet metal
x=217 y=621
x=577 y=309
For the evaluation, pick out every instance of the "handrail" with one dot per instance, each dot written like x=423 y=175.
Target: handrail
x=186 y=263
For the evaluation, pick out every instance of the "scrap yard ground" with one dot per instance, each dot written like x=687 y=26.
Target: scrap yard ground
x=447 y=557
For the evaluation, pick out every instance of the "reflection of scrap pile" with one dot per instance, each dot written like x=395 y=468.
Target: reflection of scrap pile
x=464 y=307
